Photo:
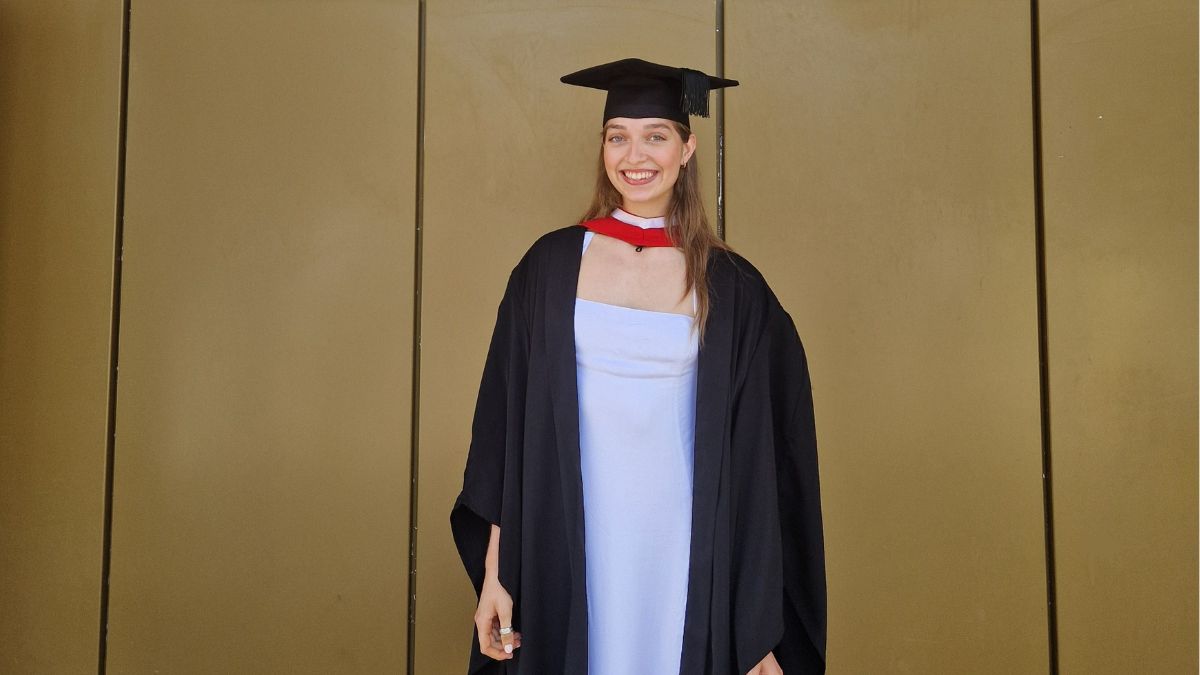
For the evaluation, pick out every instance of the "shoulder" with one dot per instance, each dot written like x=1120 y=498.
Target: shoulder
x=731 y=273
x=735 y=266
x=568 y=233
x=557 y=241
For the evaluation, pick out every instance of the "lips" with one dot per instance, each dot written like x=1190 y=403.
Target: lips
x=639 y=176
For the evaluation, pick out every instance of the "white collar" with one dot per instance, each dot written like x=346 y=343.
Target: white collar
x=644 y=223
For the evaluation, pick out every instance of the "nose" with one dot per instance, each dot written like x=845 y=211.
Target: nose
x=636 y=151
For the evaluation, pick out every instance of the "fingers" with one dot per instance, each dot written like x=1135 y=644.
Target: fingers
x=490 y=642
x=489 y=647
x=505 y=627
x=496 y=635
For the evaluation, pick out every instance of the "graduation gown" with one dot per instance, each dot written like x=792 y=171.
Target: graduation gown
x=756 y=580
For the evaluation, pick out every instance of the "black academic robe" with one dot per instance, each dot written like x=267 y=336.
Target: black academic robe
x=757 y=572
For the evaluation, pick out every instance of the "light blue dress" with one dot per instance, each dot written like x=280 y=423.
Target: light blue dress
x=637 y=386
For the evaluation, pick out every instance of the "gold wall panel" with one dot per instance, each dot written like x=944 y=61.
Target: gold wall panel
x=510 y=153
x=60 y=70
x=880 y=175
x=262 y=458
x=1119 y=119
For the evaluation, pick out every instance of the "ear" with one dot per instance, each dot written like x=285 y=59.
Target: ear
x=688 y=148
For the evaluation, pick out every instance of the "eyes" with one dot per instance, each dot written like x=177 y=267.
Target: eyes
x=617 y=138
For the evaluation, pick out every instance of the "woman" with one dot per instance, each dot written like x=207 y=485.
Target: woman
x=641 y=491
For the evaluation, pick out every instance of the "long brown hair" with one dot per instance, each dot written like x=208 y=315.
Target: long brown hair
x=687 y=223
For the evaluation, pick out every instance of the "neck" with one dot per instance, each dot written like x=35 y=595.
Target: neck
x=647 y=216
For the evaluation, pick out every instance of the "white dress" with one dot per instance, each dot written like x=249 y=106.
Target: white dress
x=637 y=387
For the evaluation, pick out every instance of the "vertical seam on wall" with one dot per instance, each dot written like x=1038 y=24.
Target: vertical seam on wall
x=720 y=30
x=114 y=330
x=415 y=411
x=1043 y=341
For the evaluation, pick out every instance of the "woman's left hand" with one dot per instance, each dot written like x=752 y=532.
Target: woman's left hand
x=768 y=666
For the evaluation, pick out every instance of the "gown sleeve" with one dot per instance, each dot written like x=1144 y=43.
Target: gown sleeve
x=779 y=581
x=799 y=494
x=490 y=491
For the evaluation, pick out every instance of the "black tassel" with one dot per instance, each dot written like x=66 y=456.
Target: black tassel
x=695 y=92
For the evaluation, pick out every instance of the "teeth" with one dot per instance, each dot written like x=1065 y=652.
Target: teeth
x=639 y=175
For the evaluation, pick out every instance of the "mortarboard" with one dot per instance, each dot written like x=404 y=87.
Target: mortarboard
x=639 y=89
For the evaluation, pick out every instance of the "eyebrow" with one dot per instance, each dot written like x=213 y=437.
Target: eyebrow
x=655 y=125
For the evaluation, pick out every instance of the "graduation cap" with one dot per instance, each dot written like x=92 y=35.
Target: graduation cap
x=639 y=89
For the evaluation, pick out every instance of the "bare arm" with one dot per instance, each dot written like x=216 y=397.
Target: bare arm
x=491 y=563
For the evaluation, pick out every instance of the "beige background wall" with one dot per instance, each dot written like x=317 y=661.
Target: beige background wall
x=260 y=501
x=278 y=242
x=1120 y=93
x=60 y=73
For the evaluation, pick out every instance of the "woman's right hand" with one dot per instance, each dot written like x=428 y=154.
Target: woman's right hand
x=495 y=607
x=495 y=610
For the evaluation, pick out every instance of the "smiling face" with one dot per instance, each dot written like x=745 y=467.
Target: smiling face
x=642 y=158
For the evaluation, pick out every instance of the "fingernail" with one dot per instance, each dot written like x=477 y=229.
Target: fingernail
x=507 y=649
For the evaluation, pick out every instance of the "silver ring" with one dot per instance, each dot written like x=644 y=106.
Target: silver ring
x=505 y=630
